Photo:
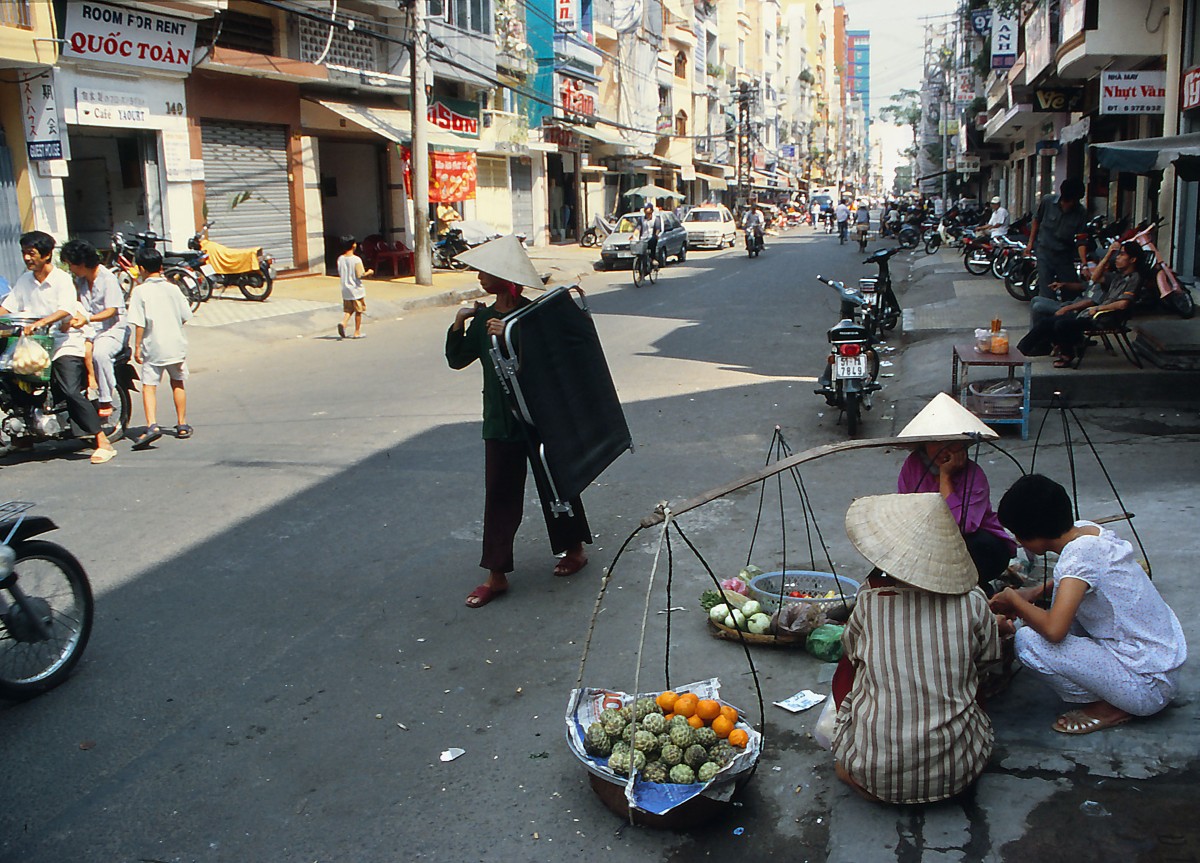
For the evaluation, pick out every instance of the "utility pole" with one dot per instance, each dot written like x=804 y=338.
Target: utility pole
x=422 y=253
x=744 y=98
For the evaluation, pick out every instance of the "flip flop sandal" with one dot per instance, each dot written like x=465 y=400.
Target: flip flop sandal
x=101 y=456
x=341 y=331
x=482 y=595
x=566 y=566
x=183 y=432
x=105 y=412
x=147 y=437
x=1078 y=722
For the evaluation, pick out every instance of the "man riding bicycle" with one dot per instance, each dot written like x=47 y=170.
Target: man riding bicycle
x=651 y=229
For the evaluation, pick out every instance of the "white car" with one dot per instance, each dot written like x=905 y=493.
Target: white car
x=710 y=226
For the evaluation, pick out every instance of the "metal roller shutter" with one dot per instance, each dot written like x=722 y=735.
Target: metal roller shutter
x=11 y=263
x=247 y=163
x=522 y=197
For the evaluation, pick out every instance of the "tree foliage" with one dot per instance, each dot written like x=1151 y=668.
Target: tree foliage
x=904 y=110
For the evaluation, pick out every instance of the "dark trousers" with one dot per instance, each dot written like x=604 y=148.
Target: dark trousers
x=68 y=380
x=1055 y=267
x=990 y=553
x=505 y=466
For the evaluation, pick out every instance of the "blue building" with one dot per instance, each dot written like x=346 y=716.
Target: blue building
x=858 y=72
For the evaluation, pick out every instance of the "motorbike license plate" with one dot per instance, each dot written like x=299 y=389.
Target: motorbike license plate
x=208 y=270
x=851 y=367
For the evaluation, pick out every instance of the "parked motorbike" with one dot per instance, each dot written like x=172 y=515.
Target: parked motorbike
x=598 y=232
x=886 y=308
x=45 y=605
x=250 y=270
x=29 y=411
x=754 y=242
x=446 y=247
x=977 y=252
x=849 y=379
x=122 y=264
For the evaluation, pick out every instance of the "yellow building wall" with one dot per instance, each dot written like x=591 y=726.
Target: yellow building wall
x=32 y=47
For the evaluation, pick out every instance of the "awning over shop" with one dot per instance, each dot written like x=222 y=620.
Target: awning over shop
x=395 y=125
x=716 y=183
x=1153 y=154
x=602 y=134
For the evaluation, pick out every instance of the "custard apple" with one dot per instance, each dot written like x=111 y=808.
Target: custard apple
x=678 y=722
x=613 y=723
x=644 y=707
x=707 y=771
x=706 y=737
x=655 y=723
x=682 y=736
x=620 y=747
x=618 y=763
x=656 y=772
x=596 y=741
x=644 y=741
x=721 y=755
x=671 y=755
x=608 y=713
x=626 y=713
x=664 y=739
x=694 y=756
x=681 y=774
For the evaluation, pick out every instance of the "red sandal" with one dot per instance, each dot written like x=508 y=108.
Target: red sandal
x=482 y=595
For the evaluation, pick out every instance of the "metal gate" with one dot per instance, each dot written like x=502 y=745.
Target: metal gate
x=11 y=263
x=246 y=187
x=522 y=197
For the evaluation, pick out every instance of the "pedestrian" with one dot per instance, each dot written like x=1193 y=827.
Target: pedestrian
x=908 y=727
x=104 y=304
x=158 y=311
x=842 y=214
x=354 y=294
x=1057 y=239
x=862 y=224
x=48 y=293
x=1108 y=641
x=504 y=271
x=814 y=212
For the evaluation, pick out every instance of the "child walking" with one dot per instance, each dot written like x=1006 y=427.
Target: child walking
x=158 y=311
x=354 y=295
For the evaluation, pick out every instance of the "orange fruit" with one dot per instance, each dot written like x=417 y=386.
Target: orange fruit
x=722 y=725
x=729 y=713
x=666 y=701
x=738 y=738
x=668 y=716
x=695 y=721
x=685 y=705
x=708 y=709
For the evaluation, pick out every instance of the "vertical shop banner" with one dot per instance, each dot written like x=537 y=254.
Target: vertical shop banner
x=1071 y=15
x=1037 y=40
x=45 y=134
x=452 y=176
x=131 y=37
x=566 y=16
x=981 y=22
x=1004 y=41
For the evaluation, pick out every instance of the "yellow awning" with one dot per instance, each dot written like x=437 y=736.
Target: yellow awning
x=716 y=183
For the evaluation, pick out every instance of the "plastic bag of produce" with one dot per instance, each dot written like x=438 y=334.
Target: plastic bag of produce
x=825 y=642
x=25 y=357
x=797 y=618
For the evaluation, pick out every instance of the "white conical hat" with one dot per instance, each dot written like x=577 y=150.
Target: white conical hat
x=505 y=258
x=913 y=538
x=944 y=416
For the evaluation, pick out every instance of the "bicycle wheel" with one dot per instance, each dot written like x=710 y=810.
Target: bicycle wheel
x=48 y=620
x=188 y=283
x=639 y=273
x=653 y=273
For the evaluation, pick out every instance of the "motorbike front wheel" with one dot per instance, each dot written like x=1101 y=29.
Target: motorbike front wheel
x=1181 y=303
x=933 y=243
x=977 y=262
x=908 y=239
x=588 y=239
x=47 y=620
x=256 y=286
x=1021 y=282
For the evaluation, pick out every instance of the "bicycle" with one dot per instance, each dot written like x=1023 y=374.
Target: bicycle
x=645 y=263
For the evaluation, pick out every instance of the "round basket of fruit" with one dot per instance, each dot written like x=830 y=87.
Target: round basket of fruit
x=686 y=749
x=833 y=594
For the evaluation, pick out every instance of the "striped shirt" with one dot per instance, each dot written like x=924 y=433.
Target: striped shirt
x=910 y=730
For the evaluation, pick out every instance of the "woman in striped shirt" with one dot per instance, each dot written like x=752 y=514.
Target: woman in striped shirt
x=910 y=729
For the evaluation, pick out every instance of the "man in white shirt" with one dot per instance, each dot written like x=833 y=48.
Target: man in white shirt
x=998 y=224
x=651 y=228
x=48 y=292
x=842 y=214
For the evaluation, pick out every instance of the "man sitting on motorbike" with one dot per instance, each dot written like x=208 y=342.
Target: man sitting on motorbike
x=104 y=304
x=46 y=291
x=753 y=222
x=999 y=223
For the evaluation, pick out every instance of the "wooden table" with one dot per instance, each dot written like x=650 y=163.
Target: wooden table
x=966 y=356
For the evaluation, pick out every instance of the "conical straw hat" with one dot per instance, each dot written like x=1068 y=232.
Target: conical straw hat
x=505 y=258
x=944 y=416
x=913 y=538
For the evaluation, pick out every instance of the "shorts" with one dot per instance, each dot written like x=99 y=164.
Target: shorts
x=359 y=306
x=152 y=373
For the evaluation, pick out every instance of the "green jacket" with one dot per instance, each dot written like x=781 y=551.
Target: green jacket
x=473 y=343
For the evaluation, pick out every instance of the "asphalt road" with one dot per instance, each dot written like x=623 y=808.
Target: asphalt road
x=281 y=649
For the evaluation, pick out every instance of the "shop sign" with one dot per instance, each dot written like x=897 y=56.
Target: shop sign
x=1133 y=92
x=45 y=134
x=1054 y=99
x=452 y=176
x=1048 y=147
x=577 y=96
x=965 y=86
x=1037 y=40
x=1004 y=41
x=981 y=21
x=564 y=138
x=1071 y=16
x=968 y=164
x=131 y=37
x=95 y=107
x=566 y=16
x=1190 y=93
x=455 y=115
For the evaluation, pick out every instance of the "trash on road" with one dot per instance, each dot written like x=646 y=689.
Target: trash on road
x=452 y=753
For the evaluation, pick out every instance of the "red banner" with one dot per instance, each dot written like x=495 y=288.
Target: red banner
x=451 y=176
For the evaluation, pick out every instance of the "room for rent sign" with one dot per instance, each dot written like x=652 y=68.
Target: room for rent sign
x=111 y=34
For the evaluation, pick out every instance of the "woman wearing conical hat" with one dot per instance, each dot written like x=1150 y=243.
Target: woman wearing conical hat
x=504 y=271
x=909 y=729
x=943 y=467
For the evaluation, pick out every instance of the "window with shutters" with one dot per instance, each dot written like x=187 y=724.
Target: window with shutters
x=492 y=172
x=15 y=13
x=239 y=31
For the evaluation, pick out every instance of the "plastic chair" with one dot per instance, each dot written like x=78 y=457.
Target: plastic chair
x=396 y=256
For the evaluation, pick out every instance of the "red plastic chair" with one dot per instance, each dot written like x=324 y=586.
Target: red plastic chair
x=397 y=256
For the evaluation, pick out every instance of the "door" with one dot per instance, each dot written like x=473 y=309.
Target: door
x=246 y=190
x=522 y=196
x=11 y=264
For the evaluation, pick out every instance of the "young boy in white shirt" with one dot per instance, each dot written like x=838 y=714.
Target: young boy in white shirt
x=158 y=311
x=354 y=294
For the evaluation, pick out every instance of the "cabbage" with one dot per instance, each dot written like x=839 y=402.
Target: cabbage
x=759 y=624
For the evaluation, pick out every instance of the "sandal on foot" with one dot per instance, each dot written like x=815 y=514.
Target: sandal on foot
x=1064 y=362
x=149 y=436
x=105 y=410
x=1078 y=722
x=569 y=565
x=183 y=432
x=101 y=456
x=341 y=331
x=482 y=595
